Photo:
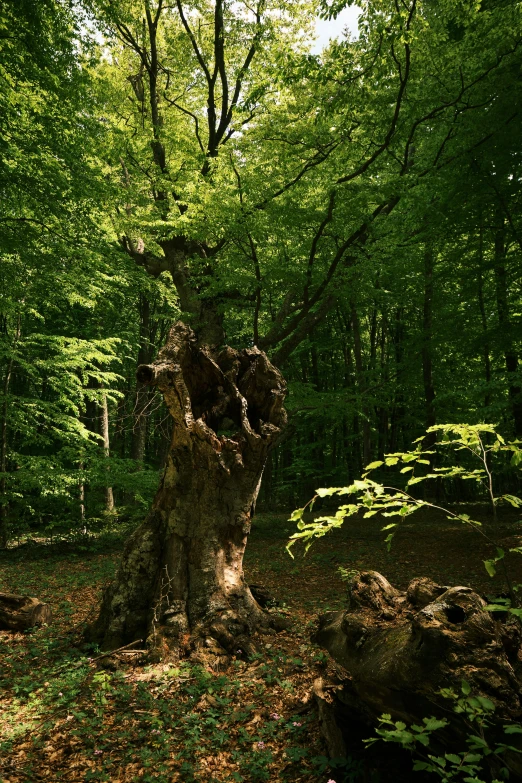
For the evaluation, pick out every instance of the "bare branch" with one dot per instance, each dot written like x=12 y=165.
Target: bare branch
x=226 y=110
x=219 y=61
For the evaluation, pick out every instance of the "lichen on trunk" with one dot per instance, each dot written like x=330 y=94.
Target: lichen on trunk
x=180 y=583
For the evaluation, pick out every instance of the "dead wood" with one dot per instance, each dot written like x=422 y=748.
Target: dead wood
x=329 y=728
x=20 y=612
x=399 y=649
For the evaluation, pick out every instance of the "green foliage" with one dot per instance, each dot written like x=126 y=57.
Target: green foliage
x=472 y=765
x=300 y=217
x=479 y=442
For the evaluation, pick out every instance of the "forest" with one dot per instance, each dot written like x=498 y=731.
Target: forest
x=260 y=391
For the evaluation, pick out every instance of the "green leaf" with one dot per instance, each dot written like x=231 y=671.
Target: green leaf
x=325 y=492
x=515 y=501
x=432 y=724
x=360 y=485
x=477 y=741
x=415 y=480
x=465 y=688
x=490 y=567
x=516 y=459
x=373 y=465
x=453 y=758
x=513 y=729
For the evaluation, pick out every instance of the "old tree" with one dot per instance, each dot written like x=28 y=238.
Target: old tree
x=260 y=178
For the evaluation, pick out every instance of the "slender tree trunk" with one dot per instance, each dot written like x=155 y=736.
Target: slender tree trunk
x=109 y=496
x=318 y=382
x=510 y=354
x=118 y=437
x=140 y=413
x=382 y=411
x=90 y=419
x=4 y=511
x=486 y=354
x=485 y=342
x=398 y=412
x=361 y=383
x=350 y=430
x=81 y=492
x=181 y=578
x=427 y=348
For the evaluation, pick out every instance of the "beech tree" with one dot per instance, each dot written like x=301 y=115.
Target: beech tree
x=260 y=178
x=350 y=218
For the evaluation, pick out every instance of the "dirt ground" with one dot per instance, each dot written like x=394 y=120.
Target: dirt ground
x=68 y=715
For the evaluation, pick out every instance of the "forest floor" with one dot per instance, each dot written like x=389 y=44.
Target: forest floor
x=67 y=715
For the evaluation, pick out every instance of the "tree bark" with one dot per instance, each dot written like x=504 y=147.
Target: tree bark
x=140 y=413
x=20 y=612
x=109 y=496
x=427 y=349
x=504 y=321
x=4 y=532
x=180 y=583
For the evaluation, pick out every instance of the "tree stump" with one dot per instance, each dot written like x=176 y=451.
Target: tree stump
x=180 y=585
x=20 y=612
x=399 y=649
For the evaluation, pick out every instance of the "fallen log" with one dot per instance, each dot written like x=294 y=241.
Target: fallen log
x=399 y=649
x=20 y=612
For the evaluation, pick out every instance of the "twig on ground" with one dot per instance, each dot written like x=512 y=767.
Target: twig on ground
x=119 y=649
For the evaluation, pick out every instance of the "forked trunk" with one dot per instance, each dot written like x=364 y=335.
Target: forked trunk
x=181 y=579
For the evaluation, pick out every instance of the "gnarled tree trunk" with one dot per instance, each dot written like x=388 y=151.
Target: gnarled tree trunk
x=401 y=648
x=181 y=578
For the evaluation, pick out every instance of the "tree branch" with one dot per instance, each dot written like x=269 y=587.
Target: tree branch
x=190 y=114
x=315 y=242
x=403 y=81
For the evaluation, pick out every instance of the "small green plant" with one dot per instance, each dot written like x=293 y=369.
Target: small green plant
x=346 y=770
x=482 y=757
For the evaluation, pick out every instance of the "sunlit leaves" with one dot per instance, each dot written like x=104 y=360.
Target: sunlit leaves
x=372 y=497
